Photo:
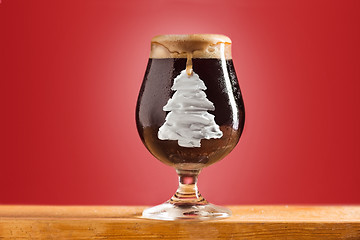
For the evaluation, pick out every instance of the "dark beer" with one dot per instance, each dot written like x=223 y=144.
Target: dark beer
x=222 y=90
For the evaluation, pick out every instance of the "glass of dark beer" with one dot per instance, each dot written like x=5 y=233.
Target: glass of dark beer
x=189 y=115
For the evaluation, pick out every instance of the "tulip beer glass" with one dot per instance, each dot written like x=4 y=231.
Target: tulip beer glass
x=189 y=115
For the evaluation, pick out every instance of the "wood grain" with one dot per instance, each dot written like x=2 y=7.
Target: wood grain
x=247 y=222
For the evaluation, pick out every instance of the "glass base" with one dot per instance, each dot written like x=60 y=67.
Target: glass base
x=168 y=211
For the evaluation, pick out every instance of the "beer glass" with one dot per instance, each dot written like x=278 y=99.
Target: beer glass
x=189 y=115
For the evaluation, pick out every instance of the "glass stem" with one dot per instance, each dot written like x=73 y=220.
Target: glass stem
x=187 y=192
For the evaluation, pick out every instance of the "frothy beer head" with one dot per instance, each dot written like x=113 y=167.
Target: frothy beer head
x=191 y=45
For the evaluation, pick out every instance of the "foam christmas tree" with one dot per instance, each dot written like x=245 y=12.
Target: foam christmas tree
x=188 y=120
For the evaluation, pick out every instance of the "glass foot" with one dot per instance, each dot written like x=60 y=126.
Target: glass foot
x=168 y=211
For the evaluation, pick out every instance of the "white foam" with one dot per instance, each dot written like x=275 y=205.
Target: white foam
x=188 y=120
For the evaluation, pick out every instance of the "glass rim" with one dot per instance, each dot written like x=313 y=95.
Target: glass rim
x=198 y=37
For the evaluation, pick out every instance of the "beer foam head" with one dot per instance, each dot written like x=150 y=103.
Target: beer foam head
x=197 y=45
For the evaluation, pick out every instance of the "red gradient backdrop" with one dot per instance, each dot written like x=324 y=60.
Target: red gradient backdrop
x=70 y=73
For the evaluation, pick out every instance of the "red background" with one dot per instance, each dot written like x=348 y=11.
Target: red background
x=71 y=70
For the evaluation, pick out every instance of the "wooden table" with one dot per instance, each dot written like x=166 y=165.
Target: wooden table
x=247 y=222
